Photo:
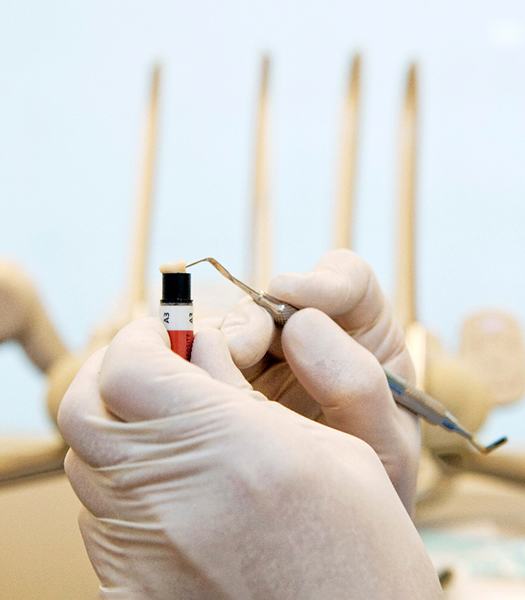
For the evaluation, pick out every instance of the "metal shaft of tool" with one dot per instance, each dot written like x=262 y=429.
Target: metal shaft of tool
x=411 y=398
x=433 y=411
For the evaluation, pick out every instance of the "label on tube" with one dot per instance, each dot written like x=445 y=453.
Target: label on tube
x=178 y=320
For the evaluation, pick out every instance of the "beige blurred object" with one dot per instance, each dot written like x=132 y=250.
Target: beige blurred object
x=420 y=342
x=345 y=200
x=454 y=383
x=405 y=293
x=23 y=318
x=137 y=297
x=260 y=266
x=452 y=379
x=417 y=338
x=42 y=555
x=429 y=476
x=446 y=378
x=22 y=315
x=508 y=465
x=22 y=456
x=214 y=299
x=492 y=343
x=134 y=302
x=455 y=485
x=474 y=498
x=463 y=587
x=60 y=376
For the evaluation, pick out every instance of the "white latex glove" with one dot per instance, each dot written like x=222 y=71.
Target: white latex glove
x=197 y=487
x=330 y=369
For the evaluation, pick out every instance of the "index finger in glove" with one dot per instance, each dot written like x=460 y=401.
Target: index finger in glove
x=342 y=285
x=351 y=388
x=97 y=435
x=249 y=331
x=142 y=379
x=121 y=394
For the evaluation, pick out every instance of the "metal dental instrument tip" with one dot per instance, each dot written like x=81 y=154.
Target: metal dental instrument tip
x=490 y=447
x=433 y=411
x=502 y=440
x=405 y=394
x=280 y=311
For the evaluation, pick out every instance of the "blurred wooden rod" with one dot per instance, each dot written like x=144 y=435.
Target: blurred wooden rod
x=261 y=252
x=24 y=457
x=345 y=199
x=141 y=238
x=405 y=295
x=506 y=465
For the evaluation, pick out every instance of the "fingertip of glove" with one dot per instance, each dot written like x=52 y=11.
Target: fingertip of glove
x=304 y=320
x=323 y=289
x=210 y=339
x=309 y=329
x=248 y=331
x=288 y=284
x=246 y=352
x=146 y=326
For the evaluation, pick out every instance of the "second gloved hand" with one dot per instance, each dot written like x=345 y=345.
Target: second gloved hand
x=327 y=362
x=197 y=487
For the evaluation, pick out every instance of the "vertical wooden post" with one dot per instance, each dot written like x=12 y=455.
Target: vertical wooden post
x=405 y=287
x=141 y=239
x=261 y=252
x=345 y=199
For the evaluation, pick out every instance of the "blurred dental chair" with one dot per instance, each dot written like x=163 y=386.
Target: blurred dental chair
x=42 y=554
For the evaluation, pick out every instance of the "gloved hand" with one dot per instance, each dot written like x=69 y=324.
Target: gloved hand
x=329 y=369
x=197 y=487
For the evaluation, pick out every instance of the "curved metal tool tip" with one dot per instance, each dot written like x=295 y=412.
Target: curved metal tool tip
x=496 y=444
x=486 y=449
x=201 y=260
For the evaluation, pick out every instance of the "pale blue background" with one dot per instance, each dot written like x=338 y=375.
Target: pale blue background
x=72 y=92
